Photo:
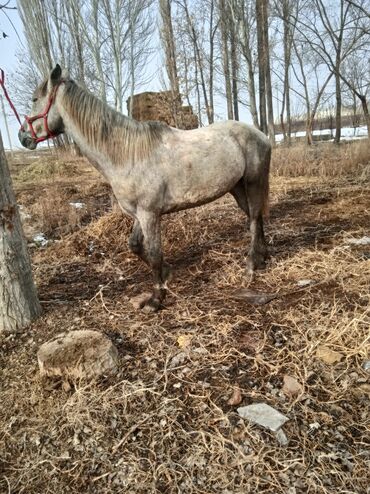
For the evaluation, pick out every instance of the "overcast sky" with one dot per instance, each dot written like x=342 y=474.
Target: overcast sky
x=8 y=62
x=15 y=42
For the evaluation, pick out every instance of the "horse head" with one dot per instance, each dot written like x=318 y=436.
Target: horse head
x=44 y=121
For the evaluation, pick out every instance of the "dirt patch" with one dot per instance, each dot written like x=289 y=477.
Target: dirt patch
x=163 y=423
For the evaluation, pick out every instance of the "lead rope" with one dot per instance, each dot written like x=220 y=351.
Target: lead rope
x=2 y=84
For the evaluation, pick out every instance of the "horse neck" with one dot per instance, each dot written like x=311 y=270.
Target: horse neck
x=94 y=126
x=103 y=133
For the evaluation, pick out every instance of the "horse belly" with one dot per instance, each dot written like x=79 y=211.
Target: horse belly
x=199 y=180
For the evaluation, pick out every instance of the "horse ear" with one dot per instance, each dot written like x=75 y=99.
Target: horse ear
x=65 y=74
x=55 y=75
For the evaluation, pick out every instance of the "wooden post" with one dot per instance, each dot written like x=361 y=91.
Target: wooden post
x=19 y=304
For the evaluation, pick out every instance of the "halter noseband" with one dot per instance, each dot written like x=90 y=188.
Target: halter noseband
x=44 y=115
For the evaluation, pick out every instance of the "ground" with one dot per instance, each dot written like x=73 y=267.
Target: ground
x=168 y=421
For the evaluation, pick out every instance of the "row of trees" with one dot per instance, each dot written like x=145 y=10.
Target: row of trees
x=265 y=55
x=275 y=58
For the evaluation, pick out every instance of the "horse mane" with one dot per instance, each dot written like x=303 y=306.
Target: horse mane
x=106 y=130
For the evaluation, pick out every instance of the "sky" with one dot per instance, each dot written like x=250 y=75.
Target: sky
x=10 y=45
x=8 y=62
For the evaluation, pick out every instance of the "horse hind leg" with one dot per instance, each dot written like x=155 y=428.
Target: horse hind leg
x=239 y=194
x=256 y=195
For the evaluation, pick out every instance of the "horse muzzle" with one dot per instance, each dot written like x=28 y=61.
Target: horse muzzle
x=26 y=140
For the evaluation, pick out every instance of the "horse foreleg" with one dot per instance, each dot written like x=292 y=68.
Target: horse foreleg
x=136 y=245
x=135 y=242
x=151 y=250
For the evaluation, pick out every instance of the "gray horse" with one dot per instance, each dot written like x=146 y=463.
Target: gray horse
x=155 y=169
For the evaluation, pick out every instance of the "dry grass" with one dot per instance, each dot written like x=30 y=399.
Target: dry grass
x=163 y=424
x=322 y=160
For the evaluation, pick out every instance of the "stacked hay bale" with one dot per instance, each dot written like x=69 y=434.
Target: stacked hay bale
x=161 y=106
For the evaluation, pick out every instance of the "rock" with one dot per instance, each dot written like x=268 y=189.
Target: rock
x=291 y=386
x=302 y=283
x=264 y=415
x=366 y=365
x=253 y=297
x=78 y=354
x=327 y=355
x=139 y=300
x=184 y=341
x=177 y=360
x=236 y=398
x=359 y=241
x=281 y=437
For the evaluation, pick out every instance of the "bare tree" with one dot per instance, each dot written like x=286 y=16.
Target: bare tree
x=307 y=67
x=19 y=303
x=37 y=32
x=286 y=11
x=356 y=75
x=334 y=31
x=244 y=19
x=168 y=43
x=199 y=59
x=261 y=65
x=225 y=49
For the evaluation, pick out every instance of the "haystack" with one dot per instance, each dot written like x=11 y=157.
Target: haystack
x=164 y=108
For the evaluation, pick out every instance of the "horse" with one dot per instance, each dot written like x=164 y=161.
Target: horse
x=155 y=169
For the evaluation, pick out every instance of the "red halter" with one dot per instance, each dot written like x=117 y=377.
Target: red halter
x=30 y=120
x=44 y=115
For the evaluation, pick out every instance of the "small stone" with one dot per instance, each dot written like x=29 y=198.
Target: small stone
x=291 y=386
x=66 y=386
x=139 y=300
x=302 y=283
x=184 y=341
x=264 y=415
x=253 y=297
x=236 y=398
x=327 y=355
x=178 y=360
x=359 y=241
x=366 y=365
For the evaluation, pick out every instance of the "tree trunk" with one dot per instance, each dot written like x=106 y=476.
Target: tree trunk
x=19 y=304
x=234 y=73
x=366 y=113
x=225 y=59
x=212 y=33
x=338 y=108
x=246 y=49
x=261 y=66
x=270 y=108
x=168 y=43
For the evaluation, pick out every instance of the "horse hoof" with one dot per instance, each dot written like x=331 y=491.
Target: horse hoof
x=152 y=305
x=166 y=272
x=256 y=262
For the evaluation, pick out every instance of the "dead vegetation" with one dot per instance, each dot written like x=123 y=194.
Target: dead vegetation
x=167 y=422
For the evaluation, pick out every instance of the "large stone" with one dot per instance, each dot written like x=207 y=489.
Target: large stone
x=78 y=354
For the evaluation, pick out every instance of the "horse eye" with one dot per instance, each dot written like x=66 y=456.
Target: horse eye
x=34 y=100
